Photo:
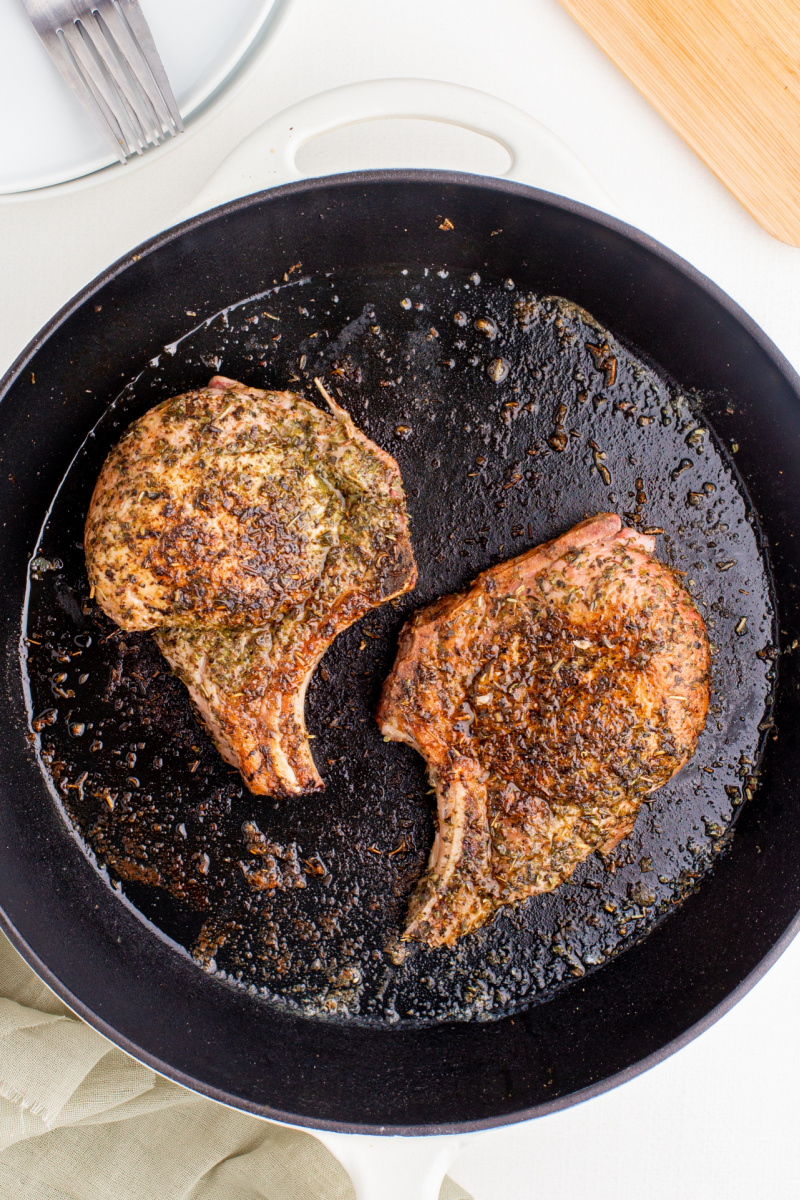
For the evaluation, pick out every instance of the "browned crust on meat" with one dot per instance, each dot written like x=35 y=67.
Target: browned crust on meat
x=184 y=529
x=549 y=700
x=246 y=529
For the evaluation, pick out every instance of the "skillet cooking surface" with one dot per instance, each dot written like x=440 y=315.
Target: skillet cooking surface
x=578 y=425
x=126 y=977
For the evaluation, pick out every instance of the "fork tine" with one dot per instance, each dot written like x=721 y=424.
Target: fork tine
x=99 y=86
x=134 y=16
x=105 y=51
x=127 y=46
x=99 y=113
x=143 y=120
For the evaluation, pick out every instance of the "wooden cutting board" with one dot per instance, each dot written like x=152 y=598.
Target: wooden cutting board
x=726 y=75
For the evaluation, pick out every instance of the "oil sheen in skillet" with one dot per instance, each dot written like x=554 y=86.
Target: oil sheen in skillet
x=512 y=417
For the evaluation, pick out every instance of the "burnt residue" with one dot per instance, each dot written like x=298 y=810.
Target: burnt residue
x=303 y=899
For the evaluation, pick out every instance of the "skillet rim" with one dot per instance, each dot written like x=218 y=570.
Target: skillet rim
x=441 y=178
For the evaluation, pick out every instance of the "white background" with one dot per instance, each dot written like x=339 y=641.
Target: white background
x=720 y=1118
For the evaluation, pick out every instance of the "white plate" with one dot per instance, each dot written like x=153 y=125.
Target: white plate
x=45 y=136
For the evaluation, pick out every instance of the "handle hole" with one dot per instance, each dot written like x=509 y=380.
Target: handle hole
x=402 y=142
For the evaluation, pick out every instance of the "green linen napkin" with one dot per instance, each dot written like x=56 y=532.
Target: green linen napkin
x=80 y=1120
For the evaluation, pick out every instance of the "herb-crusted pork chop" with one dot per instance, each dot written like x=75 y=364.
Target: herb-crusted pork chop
x=549 y=700
x=247 y=529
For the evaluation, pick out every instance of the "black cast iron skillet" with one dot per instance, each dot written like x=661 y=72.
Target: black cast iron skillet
x=140 y=989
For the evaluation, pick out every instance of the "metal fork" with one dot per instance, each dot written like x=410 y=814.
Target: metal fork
x=106 y=53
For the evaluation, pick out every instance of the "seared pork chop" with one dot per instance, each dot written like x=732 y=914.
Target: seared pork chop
x=247 y=529
x=548 y=700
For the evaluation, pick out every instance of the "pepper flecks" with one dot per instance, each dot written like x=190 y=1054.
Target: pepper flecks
x=581 y=685
x=246 y=529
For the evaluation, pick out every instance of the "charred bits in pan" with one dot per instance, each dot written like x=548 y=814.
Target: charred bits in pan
x=302 y=900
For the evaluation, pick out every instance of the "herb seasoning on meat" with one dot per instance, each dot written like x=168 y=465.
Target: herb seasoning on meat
x=247 y=529
x=549 y=700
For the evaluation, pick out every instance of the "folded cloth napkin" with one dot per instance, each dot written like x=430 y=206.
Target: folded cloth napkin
x=80 y=1120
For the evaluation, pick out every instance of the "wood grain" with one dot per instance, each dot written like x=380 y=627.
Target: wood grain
x=726 y=75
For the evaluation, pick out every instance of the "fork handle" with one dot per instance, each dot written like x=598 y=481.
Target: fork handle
x=268 y=156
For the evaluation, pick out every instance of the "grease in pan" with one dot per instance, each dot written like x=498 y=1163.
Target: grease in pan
x=490 y=469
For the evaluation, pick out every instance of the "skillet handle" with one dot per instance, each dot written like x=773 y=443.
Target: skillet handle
x=393 y=1168
x=267 y=157
x=398 y=1168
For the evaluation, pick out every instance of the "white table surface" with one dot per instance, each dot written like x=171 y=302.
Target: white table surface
x=720 y=1118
